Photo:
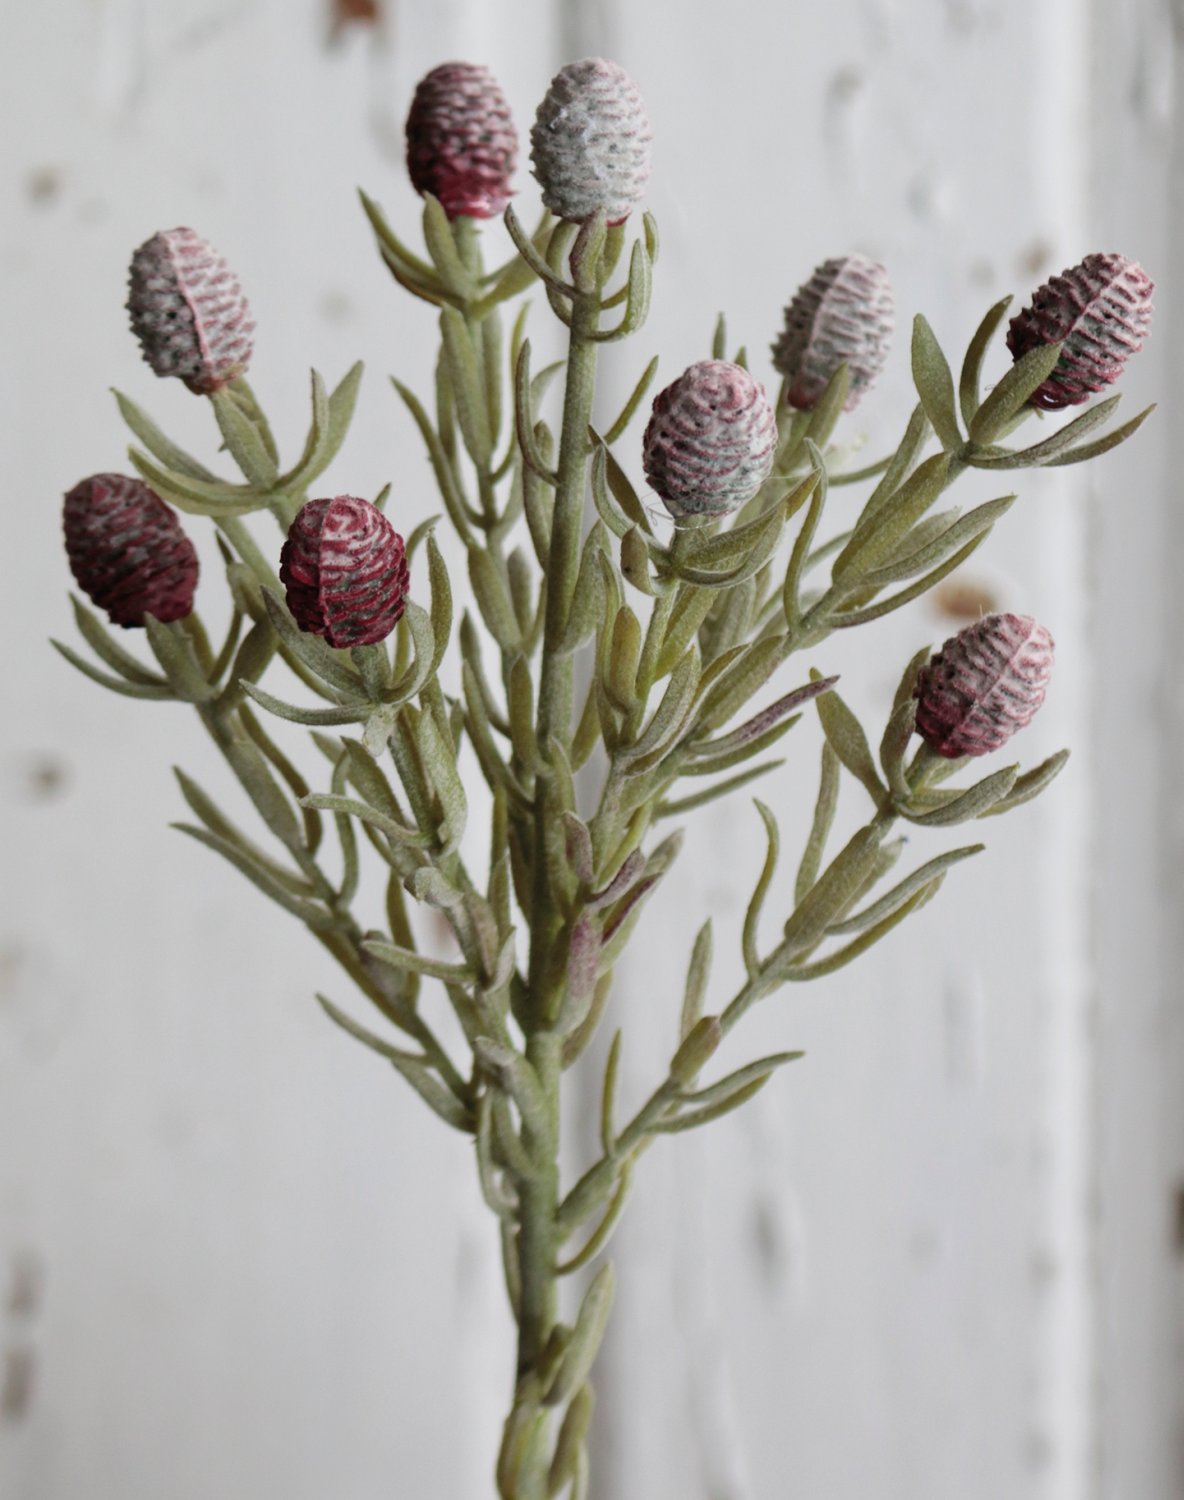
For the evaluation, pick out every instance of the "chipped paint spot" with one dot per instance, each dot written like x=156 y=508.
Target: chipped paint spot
x=16 y=1384
x=26 y=1284
x=1035 y=259
x=43 y=186
x=964 y=600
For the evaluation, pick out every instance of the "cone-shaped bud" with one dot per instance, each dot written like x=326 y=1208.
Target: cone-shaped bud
x=590 y=143
x=188 y=311
x=461 y=143
x=1101 y=309
x=844 y=314
x=984 y=684
x=710 y=442
x=345 y=571
x=127 y=550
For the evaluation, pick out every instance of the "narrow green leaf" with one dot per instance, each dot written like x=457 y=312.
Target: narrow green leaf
x=752 y=916
x=418 y=963
x=846 y=738
x=680 y=805
x=698 y=974
x=1029 y=785
x=590 y=1324
x=971 y=803
x=972 y=365
x=414 y=1068
x=468 y=385
x=100 y=641
x=314 y=917
x=824 y=816
x=901 y=892
x=691 y=1119
x=935 y=384
x=1026 y=374
x=163 y=449
x=244 y=443
x=1101 y=445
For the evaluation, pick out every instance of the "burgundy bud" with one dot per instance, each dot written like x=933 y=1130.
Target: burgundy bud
x=188 y=311
x=345 y=571
x=127 y=550
x=844 y=314
x=590 y=143
x=461 y=143
x=1101 y=310
x=710 y=442
x=984 y=684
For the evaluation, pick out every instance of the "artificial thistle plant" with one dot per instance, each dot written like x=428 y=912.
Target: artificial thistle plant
x=639 y=652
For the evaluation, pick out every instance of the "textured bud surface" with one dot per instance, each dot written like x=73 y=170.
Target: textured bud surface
x=1101 y=309
x=188 y=311
x=590 y=143
x=345 y=571
x=461 y=143
x=845 y=313
x=127 y=550
x=710 y=442
x=984 y=684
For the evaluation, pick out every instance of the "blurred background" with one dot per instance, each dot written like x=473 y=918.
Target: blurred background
x=941 y=1256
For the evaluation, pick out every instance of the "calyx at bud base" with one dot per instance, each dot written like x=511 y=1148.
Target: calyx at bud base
x=127 y=550
x=345 y=571
x=984 y=684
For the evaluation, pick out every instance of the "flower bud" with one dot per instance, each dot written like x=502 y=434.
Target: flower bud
x=127 y=550
x=461 y=143
x=590 y=143
x=984 y=684
x=345 y=571
x=844 y=314
x=710 y=442
x=1101 y=310
x=188 y=311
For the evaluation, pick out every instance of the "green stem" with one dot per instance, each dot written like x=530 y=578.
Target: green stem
x=537 y=1256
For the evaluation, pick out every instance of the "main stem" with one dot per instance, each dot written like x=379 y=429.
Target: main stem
x=540 y=1197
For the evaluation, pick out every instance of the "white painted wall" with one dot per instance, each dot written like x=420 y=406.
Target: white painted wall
x=937 y=1258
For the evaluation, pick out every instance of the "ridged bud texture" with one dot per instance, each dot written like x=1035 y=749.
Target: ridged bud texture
x=590 y=143
x=1101 y=309
x=844 y=314
x=984 y=684
x=188 y=311
x=127 y=550
x=461 y=143
x=710 y=441
x=345 y=571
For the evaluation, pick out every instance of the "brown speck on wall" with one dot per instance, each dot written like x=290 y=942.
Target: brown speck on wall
x=344 y=14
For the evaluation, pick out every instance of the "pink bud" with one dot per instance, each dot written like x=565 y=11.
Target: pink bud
x=461 y=143
x=188 y=311
x=1101 y=310
x=590 y=143
x=710 y=442
x=984 y=684
x=127 y=550
x=345 y=571
x=844 y=314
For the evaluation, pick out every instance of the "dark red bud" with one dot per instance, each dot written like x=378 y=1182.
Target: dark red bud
x=345 y=571
x=127 y=550
x=1101 y=310
x=461 y=143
